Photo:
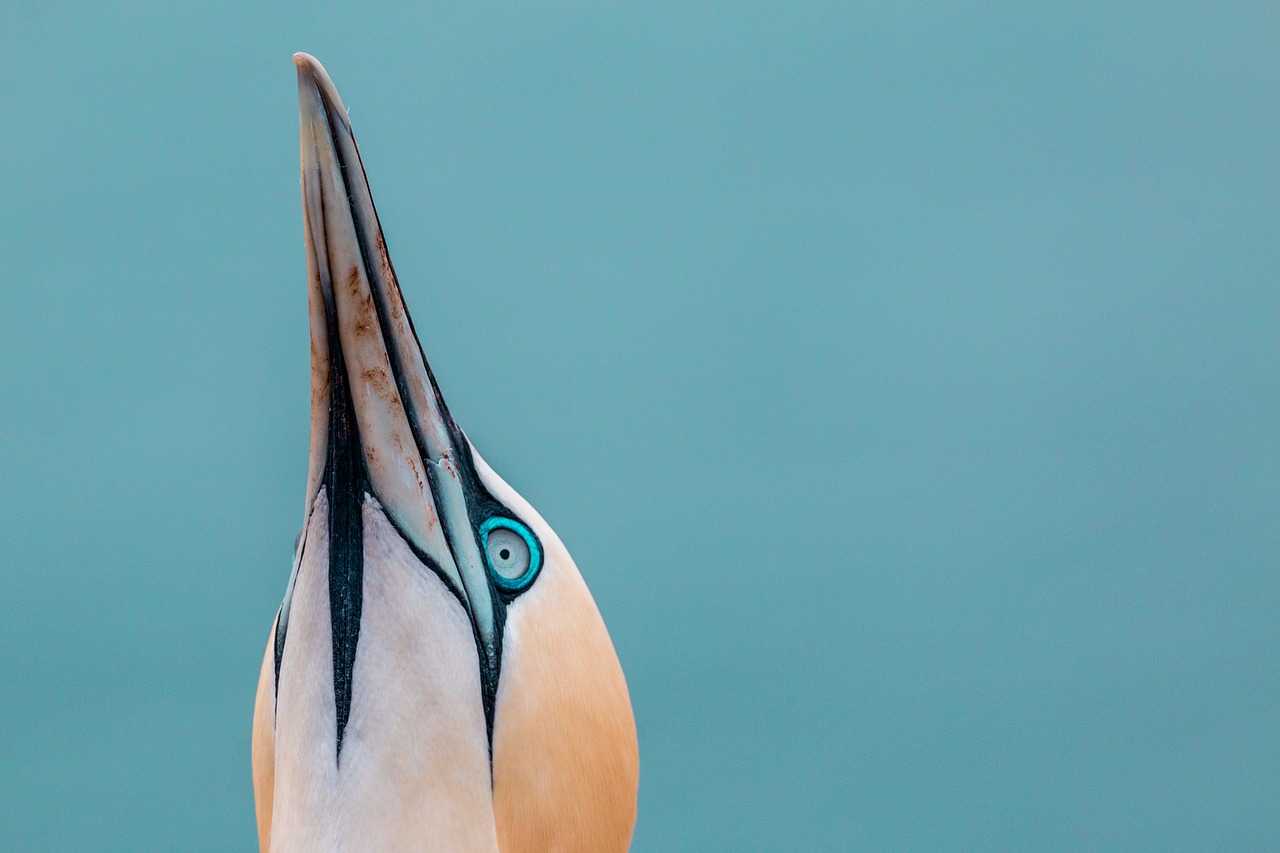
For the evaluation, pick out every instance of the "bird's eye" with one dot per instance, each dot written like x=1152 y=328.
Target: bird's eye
x=512 y=551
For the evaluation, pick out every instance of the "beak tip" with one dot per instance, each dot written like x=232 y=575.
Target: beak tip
x=312 y=78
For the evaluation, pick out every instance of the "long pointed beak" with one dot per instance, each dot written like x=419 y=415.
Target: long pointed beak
x=379 y=426
x=359 y=326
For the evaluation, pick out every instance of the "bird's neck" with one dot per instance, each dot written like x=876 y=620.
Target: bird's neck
x=414 y=770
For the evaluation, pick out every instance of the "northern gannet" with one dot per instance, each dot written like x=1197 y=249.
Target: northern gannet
x=438 y=677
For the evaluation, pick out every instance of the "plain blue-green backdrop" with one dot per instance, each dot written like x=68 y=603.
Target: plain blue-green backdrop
x=903 y=377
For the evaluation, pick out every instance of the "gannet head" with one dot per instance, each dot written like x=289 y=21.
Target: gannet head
x=438 y=677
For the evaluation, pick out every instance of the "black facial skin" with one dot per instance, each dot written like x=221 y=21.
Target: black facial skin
x=346 y=484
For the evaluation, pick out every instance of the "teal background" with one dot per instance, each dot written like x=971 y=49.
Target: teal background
x=902 y=376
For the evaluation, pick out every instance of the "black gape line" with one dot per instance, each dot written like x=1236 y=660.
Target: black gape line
x=346 y=483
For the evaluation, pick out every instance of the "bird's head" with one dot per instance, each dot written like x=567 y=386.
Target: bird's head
x=438 y=662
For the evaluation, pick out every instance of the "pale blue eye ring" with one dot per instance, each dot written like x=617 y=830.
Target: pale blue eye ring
x=512 y=552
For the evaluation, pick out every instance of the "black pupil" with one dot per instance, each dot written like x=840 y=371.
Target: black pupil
x=505 y=553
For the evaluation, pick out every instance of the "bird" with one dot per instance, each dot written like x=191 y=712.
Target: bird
x=438 y=676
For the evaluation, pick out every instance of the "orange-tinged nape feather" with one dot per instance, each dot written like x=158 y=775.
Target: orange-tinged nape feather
x=565 y=761
x=264 y=744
